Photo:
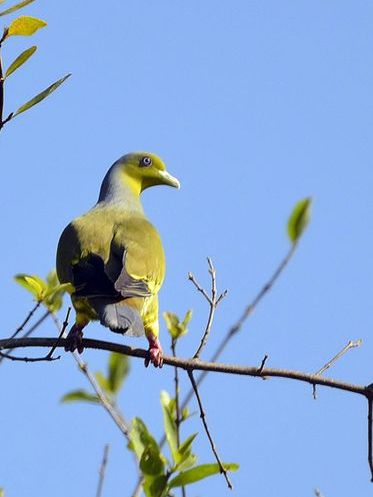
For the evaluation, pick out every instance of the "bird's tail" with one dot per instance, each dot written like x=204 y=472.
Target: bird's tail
x=120 y=318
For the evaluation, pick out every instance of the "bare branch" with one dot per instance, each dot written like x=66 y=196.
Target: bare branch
x=247 y=313
x=223 y=471
x=102 y=471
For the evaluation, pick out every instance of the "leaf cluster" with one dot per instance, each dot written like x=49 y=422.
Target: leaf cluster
x=160 y=474
x=48 y=292
x=22 y=26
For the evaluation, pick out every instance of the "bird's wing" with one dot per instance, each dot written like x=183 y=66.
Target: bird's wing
x=136 y=262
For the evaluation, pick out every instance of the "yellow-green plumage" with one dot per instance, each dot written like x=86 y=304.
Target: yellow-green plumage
x=113 y=255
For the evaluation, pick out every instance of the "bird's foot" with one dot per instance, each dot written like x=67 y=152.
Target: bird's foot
x=74 y=340
x=155 y=352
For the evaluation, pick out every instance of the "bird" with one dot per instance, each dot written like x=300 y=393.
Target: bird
x=113 y=257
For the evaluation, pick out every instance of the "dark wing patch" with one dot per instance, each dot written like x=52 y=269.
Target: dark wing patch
x=91 y=280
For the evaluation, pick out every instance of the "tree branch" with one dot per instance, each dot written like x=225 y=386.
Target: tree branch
x=198 y=365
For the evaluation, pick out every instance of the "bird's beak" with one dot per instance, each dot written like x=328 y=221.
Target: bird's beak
x=167 y=179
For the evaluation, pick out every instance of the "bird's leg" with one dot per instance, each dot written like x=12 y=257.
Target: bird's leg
x=155 y=352
x=74 y=339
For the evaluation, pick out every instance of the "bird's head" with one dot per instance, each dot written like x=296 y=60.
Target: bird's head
x=140 y=170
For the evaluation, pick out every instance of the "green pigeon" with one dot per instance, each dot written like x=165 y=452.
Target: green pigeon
x=113 y=256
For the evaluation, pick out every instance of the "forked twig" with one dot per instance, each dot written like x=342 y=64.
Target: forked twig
x=203 y=418
x=213 y=301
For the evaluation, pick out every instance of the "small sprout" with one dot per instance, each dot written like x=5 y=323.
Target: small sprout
x=299 y=219
x=185 y=414
x=174 y=326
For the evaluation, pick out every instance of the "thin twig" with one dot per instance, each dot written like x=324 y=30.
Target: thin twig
x=262 y=364
x=28 y=333
x=198 y=286
x=25 y=321
x=350 y=345
x=370 y=436
x=204 y=422
x=213 y=301
x=102 y=471
x=177 y=403
x=113 y=412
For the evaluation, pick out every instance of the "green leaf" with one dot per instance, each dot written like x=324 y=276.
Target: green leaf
x=174 y=326
x=155 y=486
x=151 y=463
x=15 y=7
x=187 y=461
x=186 y=446
x=25 y=26
x=41 y=96
x=299 y=219
x=2 y=493
x=33 y=284
x=20 y=60
x=199 y=473
x=118 y=370
x=169 y=425
x=140 y=438
x=80 y=396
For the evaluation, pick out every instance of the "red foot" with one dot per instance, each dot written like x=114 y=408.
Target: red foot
x=155 y=352
x=74 y=339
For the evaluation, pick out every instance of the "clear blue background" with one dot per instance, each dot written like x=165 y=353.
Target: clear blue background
x=252 y=105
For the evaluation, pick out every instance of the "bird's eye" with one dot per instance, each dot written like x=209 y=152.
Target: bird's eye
x=145 y=161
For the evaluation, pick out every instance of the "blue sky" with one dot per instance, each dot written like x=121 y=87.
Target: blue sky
x=252 y=105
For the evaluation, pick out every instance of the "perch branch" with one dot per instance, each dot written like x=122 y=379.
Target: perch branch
x=193 y=365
